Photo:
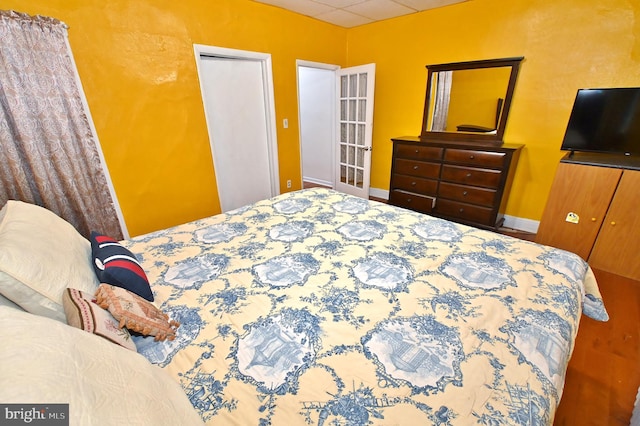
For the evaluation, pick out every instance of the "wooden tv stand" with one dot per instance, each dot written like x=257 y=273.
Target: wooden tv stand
x=592 y=211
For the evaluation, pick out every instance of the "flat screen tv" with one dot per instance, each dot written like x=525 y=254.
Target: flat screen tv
x=605 y=120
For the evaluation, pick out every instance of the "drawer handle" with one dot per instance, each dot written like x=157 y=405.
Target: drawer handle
x=417 y=151
x=468 y=175
x=613 y=224
x=413 y=183
x=464 y=193
x=408 y=200
x=461 y=210
x=416 y=167
x=471 y=157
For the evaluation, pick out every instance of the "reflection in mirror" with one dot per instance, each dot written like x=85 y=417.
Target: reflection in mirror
x=469 y=100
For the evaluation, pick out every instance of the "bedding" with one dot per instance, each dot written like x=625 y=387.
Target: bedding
x=316 y=307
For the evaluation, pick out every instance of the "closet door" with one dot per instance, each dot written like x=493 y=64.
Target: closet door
x=237 y=92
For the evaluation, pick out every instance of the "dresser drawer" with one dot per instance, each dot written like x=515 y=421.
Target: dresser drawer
x=468 y=194
x=417 y=168
x=479 y=158
x=417 y=152
x=471 y=176
x=410 y=201
x=414 y=184
x=468 y=212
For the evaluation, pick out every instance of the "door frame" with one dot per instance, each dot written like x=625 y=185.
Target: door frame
x=323 y=66
x=269 y=101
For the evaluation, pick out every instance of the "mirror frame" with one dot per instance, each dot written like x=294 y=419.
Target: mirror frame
x=493 y=139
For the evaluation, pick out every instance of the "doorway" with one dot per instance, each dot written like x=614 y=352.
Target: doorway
x=237 y=92
x=317 y=118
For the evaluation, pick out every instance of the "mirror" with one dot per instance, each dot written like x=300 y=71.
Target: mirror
x=469 y=101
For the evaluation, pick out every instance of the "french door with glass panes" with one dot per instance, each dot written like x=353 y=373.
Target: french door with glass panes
x=355 y=126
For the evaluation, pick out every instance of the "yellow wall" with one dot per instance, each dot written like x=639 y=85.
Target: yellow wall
x=136 y=63
x=567 y=45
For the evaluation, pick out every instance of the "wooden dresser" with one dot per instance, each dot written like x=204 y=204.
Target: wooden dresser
x=464 y=182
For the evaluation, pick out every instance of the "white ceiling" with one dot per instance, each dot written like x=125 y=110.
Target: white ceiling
x=351 y=13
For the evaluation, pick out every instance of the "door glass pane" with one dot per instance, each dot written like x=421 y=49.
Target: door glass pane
x=343 y=86
x=352 y=110
x=353 y=85
x=359 y=178
x=343 y=174
x=362 y=92
x=343 y=110
x=351 y=175
x=360 y=162
x=360 y=138
x=352 y=155
x=343 y=153
x=362 y=110
x=343 y=132
x=352 y=133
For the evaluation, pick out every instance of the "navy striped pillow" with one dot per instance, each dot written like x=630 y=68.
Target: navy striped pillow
x=116 y=265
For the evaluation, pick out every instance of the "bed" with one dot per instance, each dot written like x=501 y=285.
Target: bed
x=316 y=308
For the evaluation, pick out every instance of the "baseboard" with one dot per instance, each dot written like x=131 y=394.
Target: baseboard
x=521 y=224
x=513 y=222
x=315 y=181
x=379 y=193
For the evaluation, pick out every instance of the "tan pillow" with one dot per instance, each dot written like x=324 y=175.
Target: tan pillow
x=136 y=313
x=41 y=255
x=84 y=313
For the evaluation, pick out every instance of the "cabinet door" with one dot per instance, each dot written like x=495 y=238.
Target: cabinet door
x=617 y=248
x=584 y=191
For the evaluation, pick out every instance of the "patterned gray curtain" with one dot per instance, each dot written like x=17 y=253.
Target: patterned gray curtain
x=48 y=154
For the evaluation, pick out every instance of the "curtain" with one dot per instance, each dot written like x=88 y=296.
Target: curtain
x=442 y=98
x=48 y=153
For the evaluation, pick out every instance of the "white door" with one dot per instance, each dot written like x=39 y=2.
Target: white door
x=237 y=95
x=355 y=128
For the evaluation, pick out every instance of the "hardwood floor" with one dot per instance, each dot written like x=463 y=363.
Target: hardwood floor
x=603 y=375
x=604 y=372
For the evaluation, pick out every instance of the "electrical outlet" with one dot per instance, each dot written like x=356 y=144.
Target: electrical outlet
x=289 y=183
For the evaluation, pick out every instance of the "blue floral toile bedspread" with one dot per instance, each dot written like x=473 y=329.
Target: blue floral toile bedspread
x=319 y=308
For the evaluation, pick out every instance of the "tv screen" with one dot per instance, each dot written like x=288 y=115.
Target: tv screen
x=605 y=120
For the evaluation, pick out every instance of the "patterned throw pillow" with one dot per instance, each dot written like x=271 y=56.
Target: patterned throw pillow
x=84 y=313
x=135 y=313
x=116 y=265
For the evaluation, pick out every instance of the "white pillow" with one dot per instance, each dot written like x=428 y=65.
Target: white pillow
x=41 y=255
x=103 y=383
